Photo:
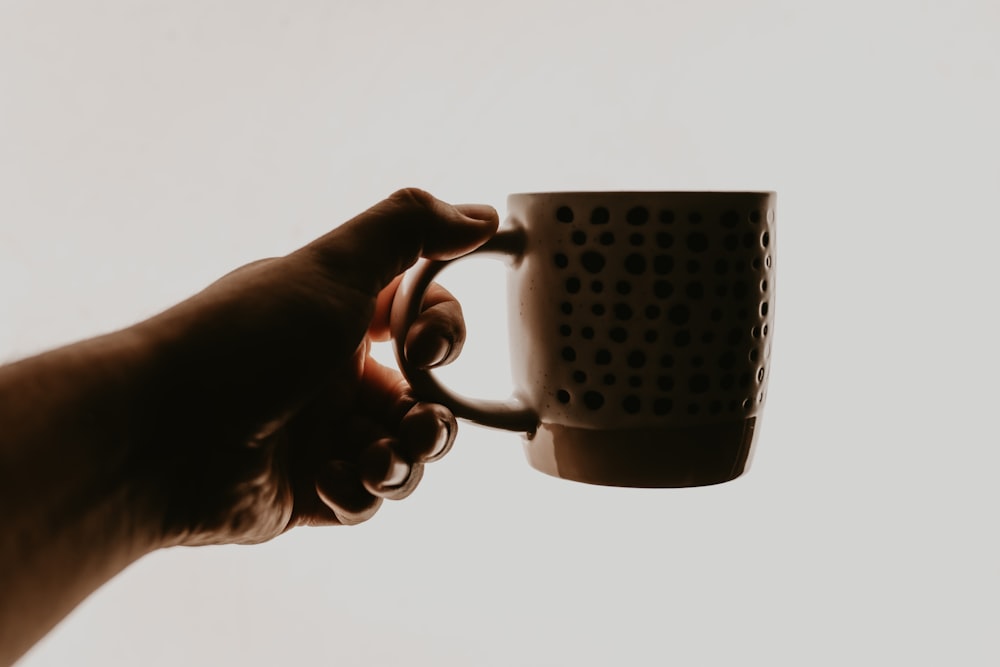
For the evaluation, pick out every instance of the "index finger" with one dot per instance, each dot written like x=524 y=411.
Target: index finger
x=370 y=250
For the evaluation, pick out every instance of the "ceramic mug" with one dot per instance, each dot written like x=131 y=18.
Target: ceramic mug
x=640 y=330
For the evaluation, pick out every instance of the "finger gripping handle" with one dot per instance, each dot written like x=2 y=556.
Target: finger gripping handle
x=510 y=414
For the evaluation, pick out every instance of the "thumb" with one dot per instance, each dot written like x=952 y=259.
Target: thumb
x=379 y=244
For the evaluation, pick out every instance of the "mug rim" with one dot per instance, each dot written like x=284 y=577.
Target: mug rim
x=563 y=193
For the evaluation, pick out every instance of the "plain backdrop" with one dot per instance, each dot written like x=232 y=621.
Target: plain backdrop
x=146 y=148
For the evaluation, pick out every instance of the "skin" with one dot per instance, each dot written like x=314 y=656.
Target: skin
x=249 y=409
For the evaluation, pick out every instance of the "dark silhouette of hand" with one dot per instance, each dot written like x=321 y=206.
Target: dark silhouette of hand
x=263 y=409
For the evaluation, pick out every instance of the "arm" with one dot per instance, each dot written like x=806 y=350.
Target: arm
x=73 y=515
x=249 y=409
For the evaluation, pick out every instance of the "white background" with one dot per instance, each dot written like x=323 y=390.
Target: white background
x=146 y=148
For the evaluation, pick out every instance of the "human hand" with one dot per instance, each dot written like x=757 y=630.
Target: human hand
x=263 y=409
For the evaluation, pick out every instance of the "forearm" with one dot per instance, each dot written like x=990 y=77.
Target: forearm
x=73 y=511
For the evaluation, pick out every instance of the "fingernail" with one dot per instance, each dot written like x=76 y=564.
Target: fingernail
x=397 y=472
x=442 y=442
x=429 y=357
x=340 y=489
x=478 y=213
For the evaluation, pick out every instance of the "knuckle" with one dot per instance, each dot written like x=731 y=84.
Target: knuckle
x=413 y=199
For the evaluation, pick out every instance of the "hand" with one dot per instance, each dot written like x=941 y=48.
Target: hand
x=263 y=408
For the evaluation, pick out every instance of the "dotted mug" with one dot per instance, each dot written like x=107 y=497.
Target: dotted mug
x=641 y=327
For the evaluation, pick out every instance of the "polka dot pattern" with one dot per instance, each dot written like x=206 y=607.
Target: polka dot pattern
x=663 y=314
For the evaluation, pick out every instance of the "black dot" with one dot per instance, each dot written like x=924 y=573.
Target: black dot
x=697 y=242
x=755 y=332
x=596 y=286
x=731 y=242
x=739 y=266
x=666 y=216
x=623 y=287
x=609 y=379
x=564 y=214
x=699 y=383
x=679 y=314
x=565 y=330
x=623 y=311
x=698 y=361
x=631 y=404
x=694 y=217
x=730 y=218
x=763 y=309
x=636 y=359
x=637 y=216
x=635 y=263
x=566 y=307
x=727 y=381
x=745 y=380
x=592 y=261
x=593 y=400
x=754 y=355
x=682 y=338
x=569 y=354
x=664 y=239
x=739 y=289
x=748 y=239
x=597 y=309
x=760 y=375
x=562 y=261
x=665 y=382
x=619 y=334
x=636 y=239
x=695 y=290
x=694 y=409
x=755 y=263
x=579 y=237
x=653 y=311
x=600 y=216
x=663 y=289
x=563 y=396
x=765 y=239
x=635 y=381
x=747 y=403
x=606 y=238
x=708 y=337
x=754 y=217
x=662 y=406
x=763 y=286
x=716 y=314
x=651 y=335
x=663 y=264
x=734 y=337
x=573 y=285
x=767 y=261
x=587 y=332
x=763 y=330
x=727 y=360
x=602 y=357
x=579 y=377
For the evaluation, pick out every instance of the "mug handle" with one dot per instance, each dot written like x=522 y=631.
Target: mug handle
x=511 y=414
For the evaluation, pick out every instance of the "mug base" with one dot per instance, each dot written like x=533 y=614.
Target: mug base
x=675 y=457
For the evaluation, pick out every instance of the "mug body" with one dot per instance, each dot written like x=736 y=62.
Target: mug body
x=641 y=327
